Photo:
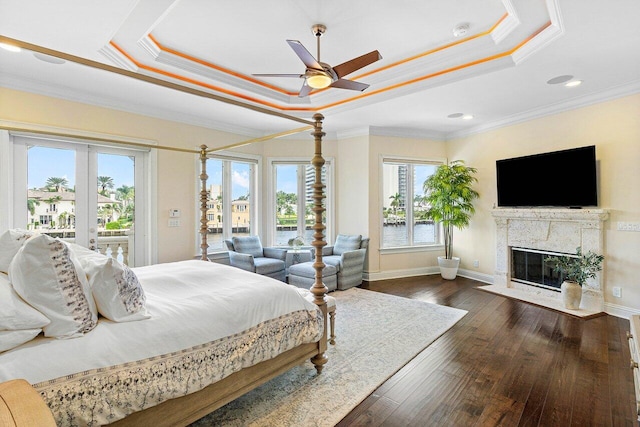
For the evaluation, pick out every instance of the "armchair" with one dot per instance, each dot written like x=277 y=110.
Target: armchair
x=248 y=254
x=347 y=256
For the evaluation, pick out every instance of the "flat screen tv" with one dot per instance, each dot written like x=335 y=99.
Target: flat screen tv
x=564 y=178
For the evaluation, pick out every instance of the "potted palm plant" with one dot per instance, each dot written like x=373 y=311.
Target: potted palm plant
x=449 y=195
x=575 y=270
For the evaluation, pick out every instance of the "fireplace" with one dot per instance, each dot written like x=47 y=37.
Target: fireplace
x=524 y=237
x=530 y=266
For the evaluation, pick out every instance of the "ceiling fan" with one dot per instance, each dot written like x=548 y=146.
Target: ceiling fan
x=320 y=75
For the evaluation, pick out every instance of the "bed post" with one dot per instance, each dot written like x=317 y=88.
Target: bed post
x=204 y=247
x=319 y=289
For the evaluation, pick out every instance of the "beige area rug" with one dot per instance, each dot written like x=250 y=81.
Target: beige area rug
x=377 y=334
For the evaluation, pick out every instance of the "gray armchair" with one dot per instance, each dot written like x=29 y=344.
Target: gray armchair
x=248 y=254
x=347 y=256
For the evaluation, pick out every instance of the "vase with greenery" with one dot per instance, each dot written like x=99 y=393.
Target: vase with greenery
x=575 y=271
x=296 y=243
x=449 y=195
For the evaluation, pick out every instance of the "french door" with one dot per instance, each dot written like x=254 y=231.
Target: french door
x=89 y=194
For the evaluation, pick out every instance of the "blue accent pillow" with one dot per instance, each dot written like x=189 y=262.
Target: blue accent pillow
x=248 y=245
x=346 y=243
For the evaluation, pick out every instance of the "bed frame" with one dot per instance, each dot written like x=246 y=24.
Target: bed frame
x=192 y=407
x=189 y=408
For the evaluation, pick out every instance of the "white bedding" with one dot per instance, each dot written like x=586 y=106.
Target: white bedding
x=190 y=302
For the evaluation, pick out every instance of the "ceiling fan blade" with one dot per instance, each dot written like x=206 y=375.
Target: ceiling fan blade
x=305 y=90
x=356 y=63
x=349 y=84
x=278 y=75
x=304 y=55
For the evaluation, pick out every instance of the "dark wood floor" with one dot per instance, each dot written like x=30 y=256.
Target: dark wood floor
x=505 y=363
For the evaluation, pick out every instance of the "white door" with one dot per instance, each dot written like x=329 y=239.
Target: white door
x=89 y=194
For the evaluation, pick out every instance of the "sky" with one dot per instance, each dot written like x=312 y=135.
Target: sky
x=45 y=162
x=240 y=176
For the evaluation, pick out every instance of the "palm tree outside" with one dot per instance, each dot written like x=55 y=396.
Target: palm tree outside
x=56 y=183
x=105 y=182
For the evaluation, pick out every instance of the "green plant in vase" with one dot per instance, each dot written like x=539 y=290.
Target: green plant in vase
x=450 y=195
x=576 y=270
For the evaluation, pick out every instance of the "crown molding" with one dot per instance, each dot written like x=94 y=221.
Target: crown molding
x=186 y=65
x=509 y=24
x=616 y=92
x=545 y=37
x=117 y=58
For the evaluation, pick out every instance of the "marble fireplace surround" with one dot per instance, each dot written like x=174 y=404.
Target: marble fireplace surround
x=554 y=230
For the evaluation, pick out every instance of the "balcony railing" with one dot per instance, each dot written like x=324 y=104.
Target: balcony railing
x=112 y=243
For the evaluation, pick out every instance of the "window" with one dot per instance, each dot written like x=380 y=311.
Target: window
x=291 y=213
x=80 y=192
x=403 y=213
x=232 y=190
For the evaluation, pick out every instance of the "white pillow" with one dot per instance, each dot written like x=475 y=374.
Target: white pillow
x=115 y=287
x=47 y=275
x=10 y=242
x=12 y=339
x=14 y=312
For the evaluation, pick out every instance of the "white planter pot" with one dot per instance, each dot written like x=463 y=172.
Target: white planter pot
x=448 y=267
x=571 y=295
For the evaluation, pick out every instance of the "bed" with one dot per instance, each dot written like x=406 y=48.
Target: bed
x=207 y=322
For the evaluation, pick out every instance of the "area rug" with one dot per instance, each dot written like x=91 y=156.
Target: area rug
x=377 y=334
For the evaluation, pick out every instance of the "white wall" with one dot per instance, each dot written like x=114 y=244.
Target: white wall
x=614 y=128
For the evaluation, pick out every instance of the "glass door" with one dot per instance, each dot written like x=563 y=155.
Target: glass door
x=80 y=193
x=115 y=205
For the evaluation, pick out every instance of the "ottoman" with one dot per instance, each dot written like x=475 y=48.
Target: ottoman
x=303 y=275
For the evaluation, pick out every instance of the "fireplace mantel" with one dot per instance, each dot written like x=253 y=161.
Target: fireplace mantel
x=548 y=229
x=598 y=215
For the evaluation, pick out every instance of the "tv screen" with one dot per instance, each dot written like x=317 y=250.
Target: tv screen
x=564 y=178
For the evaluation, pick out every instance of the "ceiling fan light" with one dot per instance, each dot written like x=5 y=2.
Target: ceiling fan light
x=319 y=81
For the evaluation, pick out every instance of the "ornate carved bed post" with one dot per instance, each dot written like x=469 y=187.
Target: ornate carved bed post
x=204 y=246
x=319 y=289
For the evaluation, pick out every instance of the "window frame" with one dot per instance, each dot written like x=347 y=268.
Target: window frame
x=13 y=159
x=329 y=193
x=410 y=246
x=255 y=214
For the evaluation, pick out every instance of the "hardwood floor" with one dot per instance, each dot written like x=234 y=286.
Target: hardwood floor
x=506 y=363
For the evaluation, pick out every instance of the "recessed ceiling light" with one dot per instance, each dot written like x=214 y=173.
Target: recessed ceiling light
x=573 y=83
x=10 y=47
x=48 y=58
x=467 y=117
x=455 y=115
x=559 y=79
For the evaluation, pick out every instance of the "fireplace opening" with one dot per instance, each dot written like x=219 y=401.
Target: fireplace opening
x=528 y=266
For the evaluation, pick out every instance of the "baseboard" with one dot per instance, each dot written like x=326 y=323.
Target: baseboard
x=398 y=274
x=424 y=271
x=480 y=277
x=619 y=310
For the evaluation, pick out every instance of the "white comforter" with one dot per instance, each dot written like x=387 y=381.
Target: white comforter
x=191 y=303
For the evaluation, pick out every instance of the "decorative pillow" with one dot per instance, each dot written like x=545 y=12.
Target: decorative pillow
x=115 y=287
x=14 y=312
x=47 y=275
x=10 y=243
x=346 y=243
x=248 y=245
x=12 y=339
